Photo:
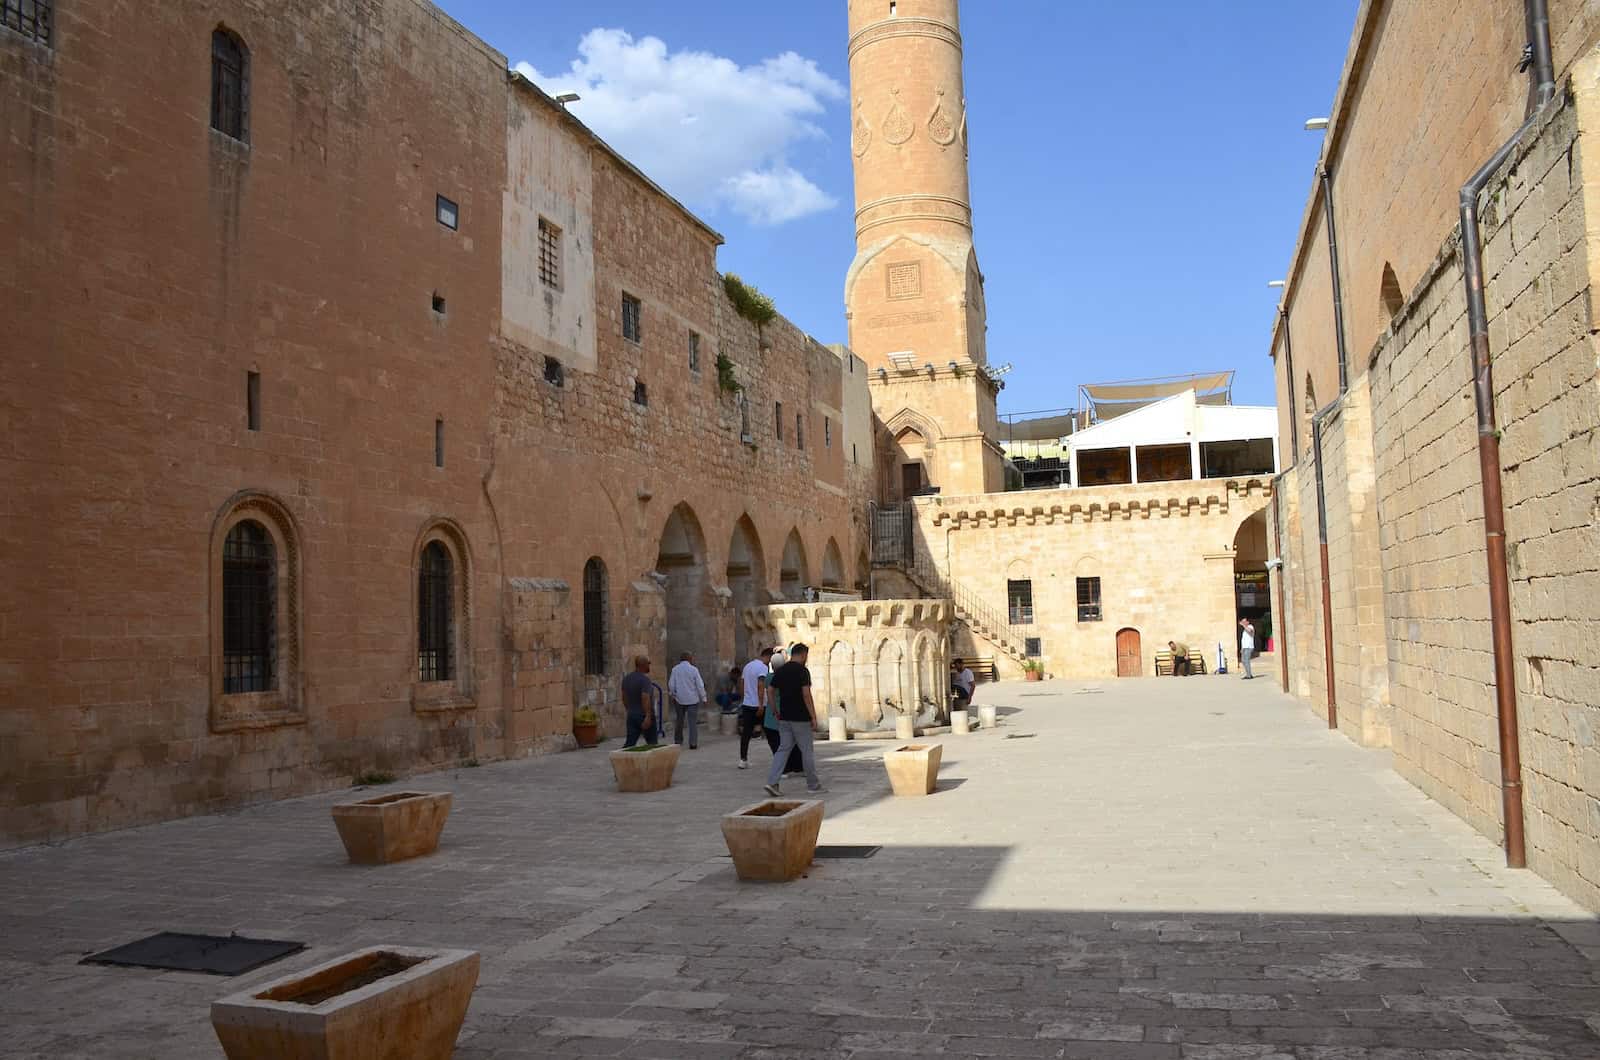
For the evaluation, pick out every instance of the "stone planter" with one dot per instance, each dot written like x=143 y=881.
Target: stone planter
x=914 y=768
x=587 y=735
x=394 y=827
x=838 y=729
x=384 y=1003
x=905 y=727
x=960 y=724
x=773 y=841
x=645 y=770
x=987 y=718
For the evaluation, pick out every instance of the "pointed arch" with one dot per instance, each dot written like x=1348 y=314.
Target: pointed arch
x=832 y=566
x=795 y=572
x=747 y=580
x=690 y=604
x=1390 y=297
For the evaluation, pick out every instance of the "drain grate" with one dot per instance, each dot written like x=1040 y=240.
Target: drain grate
x=175 y=951
x=845 y=852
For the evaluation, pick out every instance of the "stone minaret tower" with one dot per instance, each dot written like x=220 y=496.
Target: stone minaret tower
x=914 y=294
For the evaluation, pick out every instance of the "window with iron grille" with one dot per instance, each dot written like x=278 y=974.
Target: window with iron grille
x=436 y=618
x=694 y=352
x=1032 y=647
x=595 y=612
x=31 y=18
x=641 y=393
x=550 y=255
x=554 y=372
x=777 y=420
x=249 y=609
x=1019 y=602
x=827 y=433
x=632 y=319
x=230 y=86
x=1088 y=599
x=799 y=431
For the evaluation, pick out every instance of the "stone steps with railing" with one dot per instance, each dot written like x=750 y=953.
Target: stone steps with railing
x=979 y=617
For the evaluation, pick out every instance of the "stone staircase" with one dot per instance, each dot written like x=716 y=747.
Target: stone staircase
x=984 y=621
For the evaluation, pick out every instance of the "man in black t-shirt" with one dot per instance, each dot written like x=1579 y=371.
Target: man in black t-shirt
x=797 y=720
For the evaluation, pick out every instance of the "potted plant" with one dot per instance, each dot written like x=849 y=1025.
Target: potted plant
x=773 y=841
x=914 y=768
x=1033 y=670
x=645 y=767
x=586 y=726
x=393 y=827
x=383 y=1003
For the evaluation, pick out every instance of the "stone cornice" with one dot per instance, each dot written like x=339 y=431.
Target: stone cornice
x=903 y=26
x=1212 y=497
x=850 y=614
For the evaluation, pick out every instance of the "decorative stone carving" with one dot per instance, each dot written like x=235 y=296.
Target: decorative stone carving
x=965 y=147
x=863 y=131
x=941 y=127
x=897 y=124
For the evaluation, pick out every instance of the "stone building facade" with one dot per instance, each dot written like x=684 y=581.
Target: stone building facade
x=364 y=414
x=1403 y=501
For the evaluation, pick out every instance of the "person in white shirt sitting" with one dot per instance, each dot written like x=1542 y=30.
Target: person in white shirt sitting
x=688 y=692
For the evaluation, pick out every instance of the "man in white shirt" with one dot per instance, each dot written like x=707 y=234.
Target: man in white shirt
x=755 y=675
x=962 y=682
x=1247 y=645
x=688 y=692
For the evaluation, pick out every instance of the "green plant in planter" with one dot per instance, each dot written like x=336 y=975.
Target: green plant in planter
x=372 y=778
x=1033 y=666
x=644 y=747
x=585 y=716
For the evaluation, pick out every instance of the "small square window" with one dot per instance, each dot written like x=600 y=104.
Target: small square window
x=1032 y=648
x=448 y=212
x=694 y=352
x=438 y=303
x=549 y=254
x=827 y=433
x=641 y=396
x=554 y=372
x=632 y=319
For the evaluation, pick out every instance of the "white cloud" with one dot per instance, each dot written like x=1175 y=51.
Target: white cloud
x=712 y=132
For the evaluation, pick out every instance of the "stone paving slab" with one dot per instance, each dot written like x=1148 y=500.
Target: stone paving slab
x=1187 y=869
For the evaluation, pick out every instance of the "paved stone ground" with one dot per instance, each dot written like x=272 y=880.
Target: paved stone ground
x=1147 y=869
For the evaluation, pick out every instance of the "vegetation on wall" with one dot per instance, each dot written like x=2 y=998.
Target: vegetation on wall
x=749 y=302
x=725 y=376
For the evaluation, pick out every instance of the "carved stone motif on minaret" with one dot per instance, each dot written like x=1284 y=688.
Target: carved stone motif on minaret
x=965 y=148
x=897 y=125
x=862 y=129
x=941 y=127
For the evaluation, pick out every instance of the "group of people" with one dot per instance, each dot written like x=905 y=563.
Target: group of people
x=1182 y=667
x=773 y=694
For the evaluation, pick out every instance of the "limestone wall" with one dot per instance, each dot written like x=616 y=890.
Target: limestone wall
x=870 y=660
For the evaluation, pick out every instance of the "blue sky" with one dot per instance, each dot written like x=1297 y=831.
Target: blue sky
x=1130 y=205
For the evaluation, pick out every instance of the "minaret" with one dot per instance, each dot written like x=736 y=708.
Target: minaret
x=914 y=294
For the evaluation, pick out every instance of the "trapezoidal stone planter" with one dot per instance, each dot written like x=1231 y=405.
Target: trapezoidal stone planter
x=393 y=827
x=772 y=841
x=648 y=769
x=383 y=1003
x=914 y=768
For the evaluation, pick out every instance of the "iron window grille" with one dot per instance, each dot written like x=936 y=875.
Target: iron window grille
x=1019 y=602
x=435 y=615
x=594 y=618
x=777 y=419
x=230 y=85
x=694 y=352
x=641 y=394
x=249 y=609
x=554 y=373
x=632 y=319
x=448 y=213
x=1032 y=647
x=799 y=431
x=31 y=18
x=550 y=256
x=1088 y=599
x=827 y=433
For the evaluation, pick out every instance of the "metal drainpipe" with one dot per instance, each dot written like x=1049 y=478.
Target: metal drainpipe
x=1537 y=55
x=1322 y=547
x=1288 y=374
x=1281 y=626
x=1333 y=268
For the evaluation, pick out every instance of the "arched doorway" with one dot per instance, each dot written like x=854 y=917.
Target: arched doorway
x=795 y=574
x=1252 y=589
x=1130 y=654
x=832 y=567
x=891 y=682
x=691 y=616
x=747 y=576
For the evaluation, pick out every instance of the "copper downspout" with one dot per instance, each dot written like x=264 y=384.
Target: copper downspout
x=1322 y=547
x=1281 y=625
x=1537 y=56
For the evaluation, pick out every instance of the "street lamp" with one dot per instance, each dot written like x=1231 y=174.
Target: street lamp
x=1316 y=124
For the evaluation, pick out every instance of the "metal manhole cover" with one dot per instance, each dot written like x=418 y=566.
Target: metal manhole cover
x=212 y=954
x=845 y=852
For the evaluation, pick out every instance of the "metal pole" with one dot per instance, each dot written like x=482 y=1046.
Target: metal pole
x=1288 y=373
x=1280 y=626
x=1327 y=590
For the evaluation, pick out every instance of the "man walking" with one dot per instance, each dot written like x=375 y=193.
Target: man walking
x=1247 y=646
x=638 y=701
x=797 y=721
x=755 y=677
x=1181 y=667
x=688 y=692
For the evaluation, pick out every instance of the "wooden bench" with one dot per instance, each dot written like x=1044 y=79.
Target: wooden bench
x=982 y=669
x=1197 y=663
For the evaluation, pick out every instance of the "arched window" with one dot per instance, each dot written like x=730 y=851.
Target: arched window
x=230 y=85
x=595 y=613
x=1390 y=295
x=436 y=633
x=249 y=610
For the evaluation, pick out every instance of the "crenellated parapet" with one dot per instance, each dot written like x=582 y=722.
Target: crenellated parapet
x=849 y=615
x=1099 y=504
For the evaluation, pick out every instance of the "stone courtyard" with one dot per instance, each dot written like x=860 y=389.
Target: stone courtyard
x=1143 y=870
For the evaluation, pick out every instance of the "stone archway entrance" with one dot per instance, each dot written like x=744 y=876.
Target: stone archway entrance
x=1130 y=654
x=1252 y=594
x=795 y=574
x=832 y=566
x=691 y=615
x=747 y=581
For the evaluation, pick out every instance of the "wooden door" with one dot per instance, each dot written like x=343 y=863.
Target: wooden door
x=1130 y=657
